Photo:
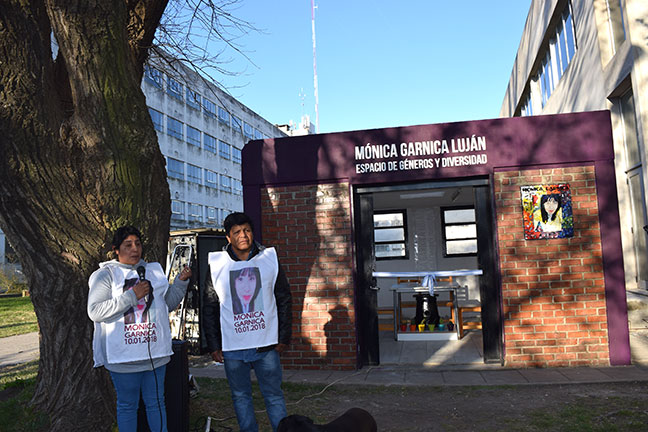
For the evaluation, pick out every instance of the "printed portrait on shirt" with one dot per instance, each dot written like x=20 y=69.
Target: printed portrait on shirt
x=547 y=211
x=134 y=314
x=245 y=286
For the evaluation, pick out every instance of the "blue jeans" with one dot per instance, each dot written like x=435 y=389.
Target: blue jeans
x=128 y=387
x=267 y=369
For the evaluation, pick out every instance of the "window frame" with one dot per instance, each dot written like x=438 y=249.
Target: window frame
x=405 y=243
x=191 y=139
x=191 y=177
x=193 y=98
x=173 y=173
x=207 y=143
x=171 y=131
x=444 y=224
x=158 y=126
x=223 y=116
x=174 y=88
x=224 y=150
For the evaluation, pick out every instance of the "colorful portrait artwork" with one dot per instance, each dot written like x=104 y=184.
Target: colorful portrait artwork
x=547 y=211
x=245 y=286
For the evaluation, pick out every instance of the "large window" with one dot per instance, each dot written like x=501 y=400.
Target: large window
x=177 y=209
x=158 y=119
x=237 y=187
x=209 y=107
x=258 y=134
x=212 y=215
x=224 y=149
x=195 y=212
x=390 y=234
x=175 y=169
x=225 y=183
x=626 y=110
x=174 y=128
x=193 y=99
x=174 y=88
x=223 y=116
x=236 y=155
x=561 y=49
x=237 y=124
x=210 y=143
x=193 y=136
x=153 y=76
x=459 y=231
x=211 y=179
x=248 y=130
x=614 y=11
x=194 y=174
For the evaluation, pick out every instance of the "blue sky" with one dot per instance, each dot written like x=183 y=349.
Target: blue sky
x=380 y=63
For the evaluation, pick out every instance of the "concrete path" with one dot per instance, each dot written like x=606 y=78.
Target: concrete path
x=454 y=376
x=24 y=348
x=18 y=349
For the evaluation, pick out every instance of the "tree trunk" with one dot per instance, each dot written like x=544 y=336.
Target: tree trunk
x=79 y=158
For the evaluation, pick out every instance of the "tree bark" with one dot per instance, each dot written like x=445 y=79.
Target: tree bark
x=79 y=158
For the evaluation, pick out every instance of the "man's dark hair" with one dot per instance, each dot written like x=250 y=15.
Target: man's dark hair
x=123 y=232
x=236 y=218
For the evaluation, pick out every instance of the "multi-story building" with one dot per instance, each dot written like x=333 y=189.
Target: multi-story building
x=585 y=55
x=201 y=130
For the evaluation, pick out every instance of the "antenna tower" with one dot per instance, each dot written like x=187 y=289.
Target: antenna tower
x=315 y=68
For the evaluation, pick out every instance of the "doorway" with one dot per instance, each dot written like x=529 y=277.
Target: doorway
x=423 y=227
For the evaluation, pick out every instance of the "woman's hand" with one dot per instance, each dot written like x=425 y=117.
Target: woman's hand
x=217 y=356
x=141 y=289
x=185 y=273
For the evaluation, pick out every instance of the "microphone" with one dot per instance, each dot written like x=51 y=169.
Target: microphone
x=141 y=272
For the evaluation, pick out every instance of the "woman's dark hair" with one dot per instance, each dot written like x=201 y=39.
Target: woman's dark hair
x=236 y=218
x=543 y=212
x=123 y=232
x=237 y=306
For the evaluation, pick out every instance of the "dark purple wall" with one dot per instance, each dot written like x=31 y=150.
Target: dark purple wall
x=511 y=143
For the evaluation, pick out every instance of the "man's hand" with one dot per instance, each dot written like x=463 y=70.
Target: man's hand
x=281 y=348
x=217 y=356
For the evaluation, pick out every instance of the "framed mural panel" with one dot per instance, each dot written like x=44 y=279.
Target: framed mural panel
x=547 y=211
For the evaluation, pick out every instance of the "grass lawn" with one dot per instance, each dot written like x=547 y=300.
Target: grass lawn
x=16 y=316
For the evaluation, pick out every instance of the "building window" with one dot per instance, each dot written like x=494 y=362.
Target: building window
x=193 y=99
x=558 y=55
x=237 y=124
x=625 y=108
x=224 y=149
x=195 y=212
x=527 y=107
x=210 y=143
x=174 y=88
x=194 y=174
x=258 y=134
x=175 y=169
x=237 y=187
x=153 y=76
x=174 y=128
x=209 y=108
x=236 y=155
x=616 y=26
x=177 y=210
x=211 y=179
x=225 y=183
x=223 y=116
x=459 y=231
x=212 y=215
x=390 y=234
x=193 y=136
x=158 y=119
x=248 y=130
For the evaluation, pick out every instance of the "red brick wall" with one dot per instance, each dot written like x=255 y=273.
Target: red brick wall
x=552 y=289
x=310 y=226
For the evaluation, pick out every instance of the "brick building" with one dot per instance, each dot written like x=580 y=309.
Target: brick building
x=549 y=296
